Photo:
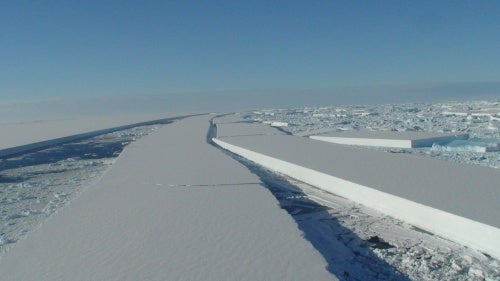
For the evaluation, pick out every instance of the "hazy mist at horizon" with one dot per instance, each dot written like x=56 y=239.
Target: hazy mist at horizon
x=243 y=100
x=63 y=58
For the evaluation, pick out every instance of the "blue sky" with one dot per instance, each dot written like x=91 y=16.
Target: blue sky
x=81 y=49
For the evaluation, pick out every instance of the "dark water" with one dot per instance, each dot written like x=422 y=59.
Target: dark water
x=34 y=185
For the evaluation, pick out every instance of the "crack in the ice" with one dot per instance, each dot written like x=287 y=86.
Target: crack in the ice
x=209 y=185
x=248 y=135
x=354 y=260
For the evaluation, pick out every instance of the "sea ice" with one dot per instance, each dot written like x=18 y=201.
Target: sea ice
x=415 y=252
x=34 y=185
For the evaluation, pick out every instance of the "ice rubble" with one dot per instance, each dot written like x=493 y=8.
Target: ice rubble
x=471 y=145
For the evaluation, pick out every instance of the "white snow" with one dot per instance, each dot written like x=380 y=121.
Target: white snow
x=171 y=208
x=232 y=129
x=22 y=136
x=410 y=118
x=365 y=141
x=338 y=228
x=455 y=201
x=34 y=185
x=279 y=124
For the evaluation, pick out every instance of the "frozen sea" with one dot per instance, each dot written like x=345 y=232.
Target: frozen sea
x=479 y=119
x=358 y=243
x=420 y=255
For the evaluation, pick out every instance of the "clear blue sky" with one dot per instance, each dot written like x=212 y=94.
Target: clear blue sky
x=73 y=49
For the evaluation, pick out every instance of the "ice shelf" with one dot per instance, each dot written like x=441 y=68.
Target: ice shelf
x=172 y=207
x=456 y=201
x=26 y=136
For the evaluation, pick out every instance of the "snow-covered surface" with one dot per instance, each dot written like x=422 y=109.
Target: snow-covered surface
x=357 y=242
x=480 y=120
x=36 y=184
x=278 y=124
x=171 y=208
x=233 y=129
x=347 y=230
x=456 y=201
x=365 y=141
x=22 y=136
x=390 y=138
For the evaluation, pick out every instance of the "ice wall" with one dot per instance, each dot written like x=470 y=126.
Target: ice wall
x=468 y=232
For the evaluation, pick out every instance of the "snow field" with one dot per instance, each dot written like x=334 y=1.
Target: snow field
x=34 y=185
x=25 y=136
x=172 y=207
x=456 y=228
x=473 y=212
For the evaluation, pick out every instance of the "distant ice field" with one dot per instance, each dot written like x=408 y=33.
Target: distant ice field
x=417 y=253
x=357 y=243
x=479 y=119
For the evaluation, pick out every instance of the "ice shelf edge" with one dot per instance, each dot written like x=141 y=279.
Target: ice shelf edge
x=462 y=230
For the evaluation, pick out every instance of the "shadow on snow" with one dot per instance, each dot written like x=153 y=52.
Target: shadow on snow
x=348 y=256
